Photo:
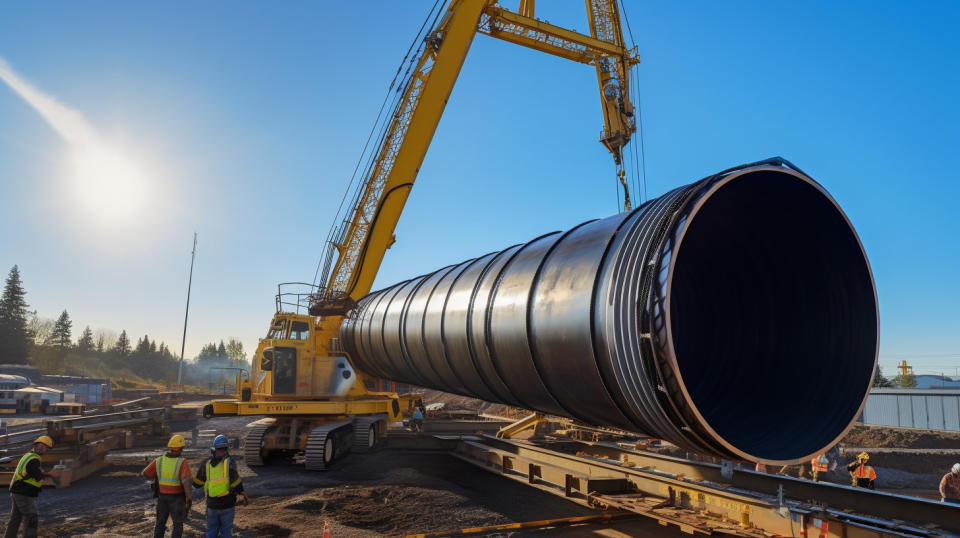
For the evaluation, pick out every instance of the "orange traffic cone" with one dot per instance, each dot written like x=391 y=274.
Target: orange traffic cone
x=326 y=530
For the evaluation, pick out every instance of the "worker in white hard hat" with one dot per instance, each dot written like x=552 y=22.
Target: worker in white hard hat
x=950 y=485
x=172 y=487
x=25 y=488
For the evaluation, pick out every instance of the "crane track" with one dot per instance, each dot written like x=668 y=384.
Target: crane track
x=252 y=442
x=322 y=440
x=361 y=432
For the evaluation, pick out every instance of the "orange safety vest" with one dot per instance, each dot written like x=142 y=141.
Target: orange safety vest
x=819 y=463
x=865 y=471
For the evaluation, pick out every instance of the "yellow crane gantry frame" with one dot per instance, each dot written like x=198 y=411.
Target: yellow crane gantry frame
x=313 y=401
x=361 y=242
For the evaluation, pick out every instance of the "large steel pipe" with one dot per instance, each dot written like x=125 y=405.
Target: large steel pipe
x=735 y=316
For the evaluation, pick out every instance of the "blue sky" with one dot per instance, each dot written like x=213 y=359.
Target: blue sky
x=246 y=120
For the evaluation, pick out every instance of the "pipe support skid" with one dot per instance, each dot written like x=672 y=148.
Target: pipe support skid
x=735 y=316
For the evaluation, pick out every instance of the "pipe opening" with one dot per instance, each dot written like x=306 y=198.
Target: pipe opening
x=773 y=316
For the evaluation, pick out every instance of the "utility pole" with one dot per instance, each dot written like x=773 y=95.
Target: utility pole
x=183 y=342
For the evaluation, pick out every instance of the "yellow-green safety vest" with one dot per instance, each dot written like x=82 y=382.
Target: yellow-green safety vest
x=218 y=479
x=168 y=471
x=21 y=472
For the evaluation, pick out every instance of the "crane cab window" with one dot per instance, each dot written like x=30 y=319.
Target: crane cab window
x=299 y=330
x=278 y=331
x=284 y=370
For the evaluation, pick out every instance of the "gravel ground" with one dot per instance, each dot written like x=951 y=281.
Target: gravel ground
x=381 y=494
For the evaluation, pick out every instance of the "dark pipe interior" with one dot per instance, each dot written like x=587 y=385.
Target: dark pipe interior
x=773 y=316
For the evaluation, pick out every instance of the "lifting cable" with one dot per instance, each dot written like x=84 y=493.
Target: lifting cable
x=379 y=129
x=635 y=82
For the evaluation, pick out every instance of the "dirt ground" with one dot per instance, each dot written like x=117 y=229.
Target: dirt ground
x=885 y=437
x=908 y=461
x=386 y=493
x=453 y=401
x=391 y=493
x=381 y=494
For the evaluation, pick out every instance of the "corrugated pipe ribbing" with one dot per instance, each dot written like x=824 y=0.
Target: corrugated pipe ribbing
x=735 y=316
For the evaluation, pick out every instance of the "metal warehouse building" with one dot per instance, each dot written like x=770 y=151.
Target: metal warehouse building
x=914 y=408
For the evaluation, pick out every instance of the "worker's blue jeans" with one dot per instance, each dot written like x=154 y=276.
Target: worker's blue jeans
x=219 y=522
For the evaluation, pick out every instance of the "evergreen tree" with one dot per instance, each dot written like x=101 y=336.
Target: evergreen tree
x=100 y=343
x=14 y=335
x=208 y=352
x=85 y=343
x=879 y=380
x=61 y=335
x=221 y=351
x=143 y=346
x=153 y=347
x=122 y=347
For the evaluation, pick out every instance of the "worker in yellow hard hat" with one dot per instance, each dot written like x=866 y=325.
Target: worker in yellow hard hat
x=25 y=488
x=172 y=483
x=861 y=474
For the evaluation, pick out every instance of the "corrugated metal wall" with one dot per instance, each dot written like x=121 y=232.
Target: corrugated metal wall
x=913 y=408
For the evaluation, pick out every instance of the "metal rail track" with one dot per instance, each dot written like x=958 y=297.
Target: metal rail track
x=83 y=424
x=606 y=476
x=878 y=504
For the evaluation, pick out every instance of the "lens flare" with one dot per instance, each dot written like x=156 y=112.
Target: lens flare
x=106 y=182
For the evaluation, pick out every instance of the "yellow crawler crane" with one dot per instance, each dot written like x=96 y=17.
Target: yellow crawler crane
x=314 y=401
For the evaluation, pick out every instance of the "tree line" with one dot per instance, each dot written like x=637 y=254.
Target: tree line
x=901 y=381
x=48 y=344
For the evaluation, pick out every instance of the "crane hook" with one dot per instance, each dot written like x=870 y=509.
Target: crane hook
x=622 y=176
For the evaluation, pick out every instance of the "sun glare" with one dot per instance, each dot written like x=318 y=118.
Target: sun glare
x=107 y=183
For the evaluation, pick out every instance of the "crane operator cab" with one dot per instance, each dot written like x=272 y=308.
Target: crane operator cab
x=291 y=362
x=317 y=407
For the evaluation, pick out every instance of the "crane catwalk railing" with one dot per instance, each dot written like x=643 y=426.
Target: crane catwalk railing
x=508 y=26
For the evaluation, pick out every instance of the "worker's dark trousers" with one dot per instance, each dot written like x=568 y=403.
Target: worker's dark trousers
x=174 y=507
x=23 y=508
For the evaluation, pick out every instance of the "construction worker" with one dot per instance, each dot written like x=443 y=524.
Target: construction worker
x=417 y=419
x=819 y=464
x=950 y=486
x=862 y=474
x=25 y=488
x=171 y=473
x=221 y=484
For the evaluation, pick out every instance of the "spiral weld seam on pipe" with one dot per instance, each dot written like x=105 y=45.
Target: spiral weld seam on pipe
x=693 y=318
